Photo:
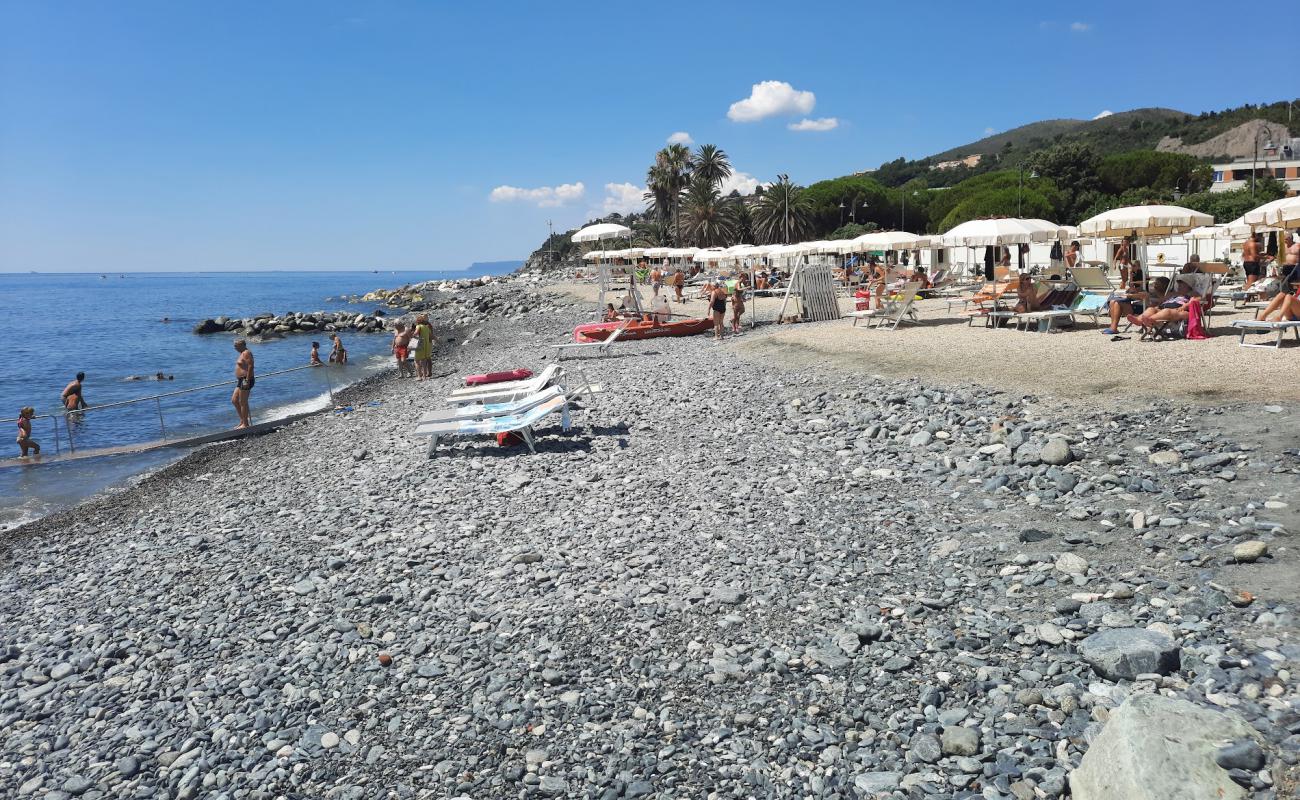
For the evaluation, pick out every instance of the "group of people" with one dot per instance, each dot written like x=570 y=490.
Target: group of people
x=73 y=400
x=676 y=279
x=414 y=362
x=338 y=353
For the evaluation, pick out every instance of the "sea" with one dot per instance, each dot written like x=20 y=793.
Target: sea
x=123 y=329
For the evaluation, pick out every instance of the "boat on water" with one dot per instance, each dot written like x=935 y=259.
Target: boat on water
x=645 y=328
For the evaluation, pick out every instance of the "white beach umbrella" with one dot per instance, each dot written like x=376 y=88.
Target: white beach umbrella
x=1283 y=213
x=986 y=232
x=1051 y=232
x=886 y=240
x=1208 y=232
x=604 y=230
x=656 y=252
x=1144 y=221
x=708 y=255
x=594 y=255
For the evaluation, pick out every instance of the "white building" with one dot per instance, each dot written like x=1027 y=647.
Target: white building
x=1282 y=161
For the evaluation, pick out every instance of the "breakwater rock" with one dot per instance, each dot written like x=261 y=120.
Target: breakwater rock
x=466 y=302
x=269 y=324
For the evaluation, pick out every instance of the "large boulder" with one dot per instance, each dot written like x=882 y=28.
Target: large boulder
x=1125 y=653
x=209 y=326
x=1160 y=748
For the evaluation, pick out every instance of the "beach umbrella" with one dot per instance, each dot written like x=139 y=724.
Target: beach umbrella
x=594 y=255
x=602 y=231
x=988 y=232
x=886 y=240
x=1283 y=213
x=656 y=252
x=1150 y=221
x=1207 y=232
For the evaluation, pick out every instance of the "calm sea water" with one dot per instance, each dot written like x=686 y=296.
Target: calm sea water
x=110 y=327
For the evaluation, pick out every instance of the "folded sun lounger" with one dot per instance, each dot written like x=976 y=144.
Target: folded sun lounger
x=897 y=309
x=1245 y=326
x=488 y=410
x=521 y=423
x=540 y=380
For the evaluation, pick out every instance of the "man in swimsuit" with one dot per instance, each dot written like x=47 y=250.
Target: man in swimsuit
x=72 y=398
x=1250 y=260
x=244 y=380
x=1291 y=269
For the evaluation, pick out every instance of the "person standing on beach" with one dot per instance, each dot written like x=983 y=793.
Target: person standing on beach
x=737 y=307
x=1250 y=260
x=679 y=282
x=244 y=380
x=718 y=306
x=656 y=281
x=1123 y=256
x=72 y=397
x=423 y=348
x=25 y=440
x=401 y=348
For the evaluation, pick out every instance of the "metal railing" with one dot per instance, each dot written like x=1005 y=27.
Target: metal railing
x=156 y=399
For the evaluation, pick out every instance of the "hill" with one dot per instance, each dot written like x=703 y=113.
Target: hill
x=1128 y=130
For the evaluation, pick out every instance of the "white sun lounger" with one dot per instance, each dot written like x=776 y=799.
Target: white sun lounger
x=541 y=380
x=1245 y=326
x=517 y=405
x=599 y=348
x=521 y=423
x=894 y=312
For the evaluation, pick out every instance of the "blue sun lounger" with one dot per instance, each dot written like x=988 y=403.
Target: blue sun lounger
x=519 y=422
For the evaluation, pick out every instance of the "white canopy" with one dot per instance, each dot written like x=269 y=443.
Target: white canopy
x=885 y=240
x=985 y=232
x=1208 y=232
x=604 y=230
x=1145 y=221
x=595 y=255
x=1050 y=230
x=1281 y=213
x=656 y=252
x=713 y=254
x=681 y=252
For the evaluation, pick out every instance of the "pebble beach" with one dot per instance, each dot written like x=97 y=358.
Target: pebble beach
x=751 y=569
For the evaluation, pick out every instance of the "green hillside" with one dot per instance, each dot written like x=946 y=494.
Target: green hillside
x=1127 y=130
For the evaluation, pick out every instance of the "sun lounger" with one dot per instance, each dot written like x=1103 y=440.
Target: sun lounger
x=521 y=423
x=599 y=348
x=897 y=309
x=486 y=410
x=471 y=394
x=1091 y=279
x=1245 y=326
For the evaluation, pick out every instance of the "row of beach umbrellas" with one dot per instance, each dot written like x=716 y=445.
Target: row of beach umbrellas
x=1144 y=222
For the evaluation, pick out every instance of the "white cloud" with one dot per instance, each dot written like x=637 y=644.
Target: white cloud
x=823 y=124
x=542 y=196
x=740 y=181
x=1080 y=27
x=621 y=198
x=1104 y=114
x=771 y=98
x=681 y=137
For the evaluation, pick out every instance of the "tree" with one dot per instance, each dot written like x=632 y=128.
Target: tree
x=994 y=194
x=853 y=230
x=711 y=164
x=1073 y=168
x=651 y=233
x=782 y=214
x=856 y=198
x=666 y=179
x=1120 y=172
x=708 y=219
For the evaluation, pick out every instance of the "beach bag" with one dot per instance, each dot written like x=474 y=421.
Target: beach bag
x=509 y=439
x=1194 y=328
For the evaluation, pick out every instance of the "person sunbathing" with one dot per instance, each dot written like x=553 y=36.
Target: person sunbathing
x=1134 y=302
x=1170 y=309
x=1282 y=308
x=1027 y=296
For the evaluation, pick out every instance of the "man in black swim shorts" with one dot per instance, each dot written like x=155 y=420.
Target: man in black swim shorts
x=244 y=380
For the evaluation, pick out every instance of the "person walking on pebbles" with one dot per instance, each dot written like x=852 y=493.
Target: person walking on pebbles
x=244 y=380
x=718 y=306
x=423 y=348
x=25 y=440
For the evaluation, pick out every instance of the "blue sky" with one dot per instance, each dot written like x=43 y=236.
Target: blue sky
x=300 y=135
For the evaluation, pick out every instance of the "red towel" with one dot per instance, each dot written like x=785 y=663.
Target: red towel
x=1194 y=328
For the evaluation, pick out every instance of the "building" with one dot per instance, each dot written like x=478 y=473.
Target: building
x=1280 y=161
x=968 y=161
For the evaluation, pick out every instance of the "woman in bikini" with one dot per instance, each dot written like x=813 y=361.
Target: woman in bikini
x=718 y=307
x=338 y=355
x=25 y=440
x=737 y=307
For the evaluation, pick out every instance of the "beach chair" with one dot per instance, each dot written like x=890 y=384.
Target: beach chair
x=1278 y=329
x=510 y=389
x=897 y=309
x=521 y=423
x=1091 y=279
x=472 y=411
x=599 y=348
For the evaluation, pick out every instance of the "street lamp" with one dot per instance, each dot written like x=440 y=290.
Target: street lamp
x=842 y=207
x=1254 y=164
x=1032 y=174
x=902 y=214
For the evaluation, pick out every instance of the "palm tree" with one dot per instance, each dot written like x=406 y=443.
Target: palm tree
x=782 y=214
x=709 y=219
x=666 y=179
x=651 y=233
x=711 y=164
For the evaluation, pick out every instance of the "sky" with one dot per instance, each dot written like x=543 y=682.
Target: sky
x=163 y=135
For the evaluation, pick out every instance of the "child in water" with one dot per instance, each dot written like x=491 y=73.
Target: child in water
x=25 y=440
x=315 y=355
